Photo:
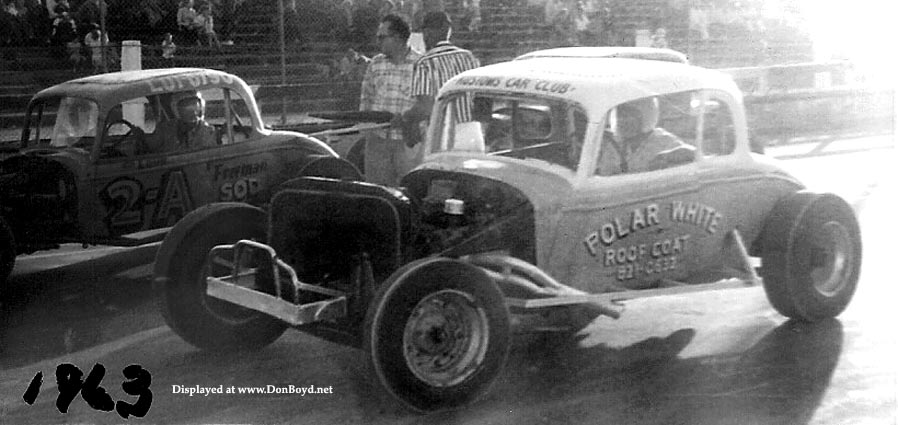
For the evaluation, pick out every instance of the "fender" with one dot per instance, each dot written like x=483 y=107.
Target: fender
x=330 y=167
x=185 y=226
x=430 y=268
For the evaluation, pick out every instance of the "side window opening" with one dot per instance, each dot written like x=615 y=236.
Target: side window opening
x=228 y=112
x=718 y=131
x=69 y=122
x=126 y=127
x=648 y=134
x=523 y=128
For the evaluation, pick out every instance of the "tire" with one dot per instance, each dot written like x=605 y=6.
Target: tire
x=333 y=168
x=811 y=256
x=7 y=252
x=205 y=322
x=413 y=310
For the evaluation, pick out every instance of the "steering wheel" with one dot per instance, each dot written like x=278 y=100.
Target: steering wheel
x=111 y=149
x=498 y=136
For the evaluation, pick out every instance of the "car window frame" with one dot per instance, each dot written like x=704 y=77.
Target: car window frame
x=704 y=95
x=226 y=128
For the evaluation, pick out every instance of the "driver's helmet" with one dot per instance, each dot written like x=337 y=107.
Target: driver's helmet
x=180 y=99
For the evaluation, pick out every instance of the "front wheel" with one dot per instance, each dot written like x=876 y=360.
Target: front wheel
x=811 y=256
x=203 y=321
x=437 y=334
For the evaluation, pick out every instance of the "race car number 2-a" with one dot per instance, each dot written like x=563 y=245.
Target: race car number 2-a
x=657 y=256
x=132 y=207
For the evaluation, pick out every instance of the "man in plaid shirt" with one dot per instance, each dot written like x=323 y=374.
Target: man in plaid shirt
x=387 y=86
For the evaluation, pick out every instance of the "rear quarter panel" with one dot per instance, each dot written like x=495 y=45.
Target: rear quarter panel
x=631 y=231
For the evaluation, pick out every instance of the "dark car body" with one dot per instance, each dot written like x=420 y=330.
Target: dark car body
x=76 y=175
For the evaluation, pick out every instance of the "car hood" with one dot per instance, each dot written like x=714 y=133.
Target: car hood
x=543 y=184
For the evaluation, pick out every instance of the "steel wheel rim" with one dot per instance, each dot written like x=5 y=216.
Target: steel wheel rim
x=445 y=338
x=832 y=262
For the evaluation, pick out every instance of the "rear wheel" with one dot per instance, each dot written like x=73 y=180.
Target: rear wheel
x=201 y=320
x=811 y=256
x=438 y=334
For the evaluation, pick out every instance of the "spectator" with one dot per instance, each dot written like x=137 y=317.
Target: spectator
x=659 y=38
x=95 y=43
x=387 y=87
x=293 y=26
x=207 y=26
x=64 y=31
x=551 y=9
x=168 y=49
x=386 y=7
x=442 y=61
x=38 y=23
x=62 y=6
x=364 y=23
x=405 y=9
x=76 y=59
x=188 y=27
x=12 y=25
x=345 y=8
x=471 y=14
x=228 y=14
x=88 y=15
x=563 y=28
x=426 y=6
x=580 y=24
x=351 y=67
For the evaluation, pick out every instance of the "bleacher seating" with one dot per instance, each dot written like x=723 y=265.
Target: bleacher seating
x=509 y=28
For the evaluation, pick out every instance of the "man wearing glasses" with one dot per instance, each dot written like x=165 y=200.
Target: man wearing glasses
x=387 y=86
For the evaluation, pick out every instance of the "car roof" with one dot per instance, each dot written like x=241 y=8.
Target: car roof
x=116 y=87
x=595 y=83
x=647 y=53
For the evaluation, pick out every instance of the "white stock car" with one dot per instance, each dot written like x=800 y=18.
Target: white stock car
x=525 y=204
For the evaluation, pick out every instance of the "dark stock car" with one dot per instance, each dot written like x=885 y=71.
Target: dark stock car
x=76 y=175
x=525 y=205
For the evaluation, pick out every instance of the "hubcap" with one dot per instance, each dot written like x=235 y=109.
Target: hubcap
x=445 y=338
x=831 y=258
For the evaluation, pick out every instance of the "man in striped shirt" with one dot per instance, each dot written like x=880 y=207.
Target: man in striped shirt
x=386 y=86
x=442 y=61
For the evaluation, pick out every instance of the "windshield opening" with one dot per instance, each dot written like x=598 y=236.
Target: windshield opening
x=518 y=127
x=64 y=122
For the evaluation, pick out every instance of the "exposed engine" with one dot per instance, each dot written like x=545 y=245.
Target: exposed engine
x=462 y=213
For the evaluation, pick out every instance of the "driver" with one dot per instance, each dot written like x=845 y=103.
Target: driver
x=637 y=145
x=189 y=131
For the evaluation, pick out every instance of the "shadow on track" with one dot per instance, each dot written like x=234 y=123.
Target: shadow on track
x=50 y=313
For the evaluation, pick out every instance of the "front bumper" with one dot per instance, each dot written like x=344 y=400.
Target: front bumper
x=240 y=286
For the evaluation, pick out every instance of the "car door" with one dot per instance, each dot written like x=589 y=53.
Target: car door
x=636 y=229
x=137 y=189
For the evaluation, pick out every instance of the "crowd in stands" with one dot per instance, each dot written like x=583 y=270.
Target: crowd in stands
x=175 y=27
x=67 y=27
